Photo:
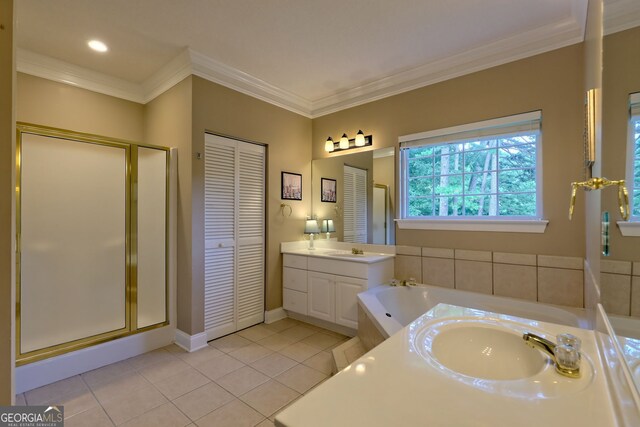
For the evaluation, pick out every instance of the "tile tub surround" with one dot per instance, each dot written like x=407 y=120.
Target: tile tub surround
x=240 y=379
x=620 y=287
x=543 y=278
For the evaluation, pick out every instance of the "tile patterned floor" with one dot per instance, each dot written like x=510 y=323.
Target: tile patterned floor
x=243 y=379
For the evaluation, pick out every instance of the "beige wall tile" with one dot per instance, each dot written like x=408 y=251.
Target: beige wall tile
x=408 y=266
x=636 y=268
x=617 y=267
x=635 y=296
x=515 y=281
x=615 y=293
x=437 y=252
x=574 y=263
x=509 y=258
x=474 y=276
x=561 y=286
x=473 y=255
x=438 y=272
x=408 y=250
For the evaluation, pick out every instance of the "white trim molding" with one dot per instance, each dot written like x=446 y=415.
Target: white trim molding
x=191 y=343
x=271 y=316
x=629 y=228
x=620 y=15
x=506 y=226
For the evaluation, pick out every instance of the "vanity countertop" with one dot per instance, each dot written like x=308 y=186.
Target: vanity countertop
x=340 y=254
x=394 y=384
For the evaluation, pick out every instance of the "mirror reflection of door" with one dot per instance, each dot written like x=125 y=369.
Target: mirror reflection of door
x=379 y=226
x=355 y=205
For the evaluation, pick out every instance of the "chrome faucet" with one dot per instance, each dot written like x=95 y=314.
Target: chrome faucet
x=565 y=355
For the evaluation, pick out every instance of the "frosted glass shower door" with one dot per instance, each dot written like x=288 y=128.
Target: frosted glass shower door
x=73 y=228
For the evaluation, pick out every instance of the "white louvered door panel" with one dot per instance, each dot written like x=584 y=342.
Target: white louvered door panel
x=219 y=234
x=355 y=205
x=234 y=235
x=251 y=234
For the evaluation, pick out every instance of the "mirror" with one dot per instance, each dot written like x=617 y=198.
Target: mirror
x=356 y=191
x=620 y=271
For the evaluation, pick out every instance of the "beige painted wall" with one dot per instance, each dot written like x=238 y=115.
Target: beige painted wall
x=168 y=123
x=621 y=76
x=48 y=103
x=384 y=173
x=552 y=82
x=287 y=136
x=7 y=202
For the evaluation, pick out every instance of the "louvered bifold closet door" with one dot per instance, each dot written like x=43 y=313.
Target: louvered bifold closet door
x=355 y=205
x=219 y=230
x=251 y=234
x=234 y=235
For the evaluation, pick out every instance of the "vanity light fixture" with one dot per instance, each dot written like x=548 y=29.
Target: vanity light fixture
x=311 y=228
x=98 y=46
x=361 y=140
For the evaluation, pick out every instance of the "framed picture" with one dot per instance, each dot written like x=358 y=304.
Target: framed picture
x=291 y=186
x=328 y=187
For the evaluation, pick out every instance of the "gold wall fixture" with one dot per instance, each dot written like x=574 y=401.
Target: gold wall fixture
x=597 y=184
x=50 y=137
x=590 y=129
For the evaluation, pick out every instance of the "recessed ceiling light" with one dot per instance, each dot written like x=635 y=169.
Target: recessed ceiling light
x=98 y=46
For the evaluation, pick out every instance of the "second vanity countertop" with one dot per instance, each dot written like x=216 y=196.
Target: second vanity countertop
x=394 y=385
x=340 y=254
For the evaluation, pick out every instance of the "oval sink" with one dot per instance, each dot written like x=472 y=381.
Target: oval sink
x=487 y=353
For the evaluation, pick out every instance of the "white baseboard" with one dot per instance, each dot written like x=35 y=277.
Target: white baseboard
x=271 y=316
x=191 y=343
x=57 y=368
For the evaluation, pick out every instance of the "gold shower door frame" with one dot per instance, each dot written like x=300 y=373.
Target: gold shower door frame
x=131 y=249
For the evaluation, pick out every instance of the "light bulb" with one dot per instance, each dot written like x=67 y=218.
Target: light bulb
x=98 y=46
x=344 y=142
x=360 y=139
x=328 y=146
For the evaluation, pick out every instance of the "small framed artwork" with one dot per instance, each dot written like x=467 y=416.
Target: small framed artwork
x=291 y=186
x=328 y=187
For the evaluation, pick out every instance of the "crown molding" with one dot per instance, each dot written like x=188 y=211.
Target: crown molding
x=235 y=79
x=59 y=71
x=167 y=77
x=620 y=15
x=190 y=62
x=540 y=40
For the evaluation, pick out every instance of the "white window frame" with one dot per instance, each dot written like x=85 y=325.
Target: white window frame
x=632 y=226
x=534 y=224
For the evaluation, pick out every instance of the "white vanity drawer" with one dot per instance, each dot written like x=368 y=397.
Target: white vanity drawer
x=342 y=268
x=295 y=261
x=294 y=278
x=294 y=301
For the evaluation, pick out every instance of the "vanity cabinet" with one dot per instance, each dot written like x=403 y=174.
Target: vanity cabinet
x=327 y=289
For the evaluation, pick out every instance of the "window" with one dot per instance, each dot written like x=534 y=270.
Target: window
x=481 y=171
x=633 y=176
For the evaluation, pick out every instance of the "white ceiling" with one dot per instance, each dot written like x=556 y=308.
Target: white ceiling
x=310 y=56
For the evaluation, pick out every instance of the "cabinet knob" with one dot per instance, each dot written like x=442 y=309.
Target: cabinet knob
x=220 y=245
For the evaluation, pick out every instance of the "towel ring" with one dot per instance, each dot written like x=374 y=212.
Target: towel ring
x=283 y=207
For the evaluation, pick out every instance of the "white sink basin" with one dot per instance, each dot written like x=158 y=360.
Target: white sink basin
x=487 y=352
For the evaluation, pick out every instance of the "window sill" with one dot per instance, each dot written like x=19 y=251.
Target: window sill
x=505 y=226
x=629 y=228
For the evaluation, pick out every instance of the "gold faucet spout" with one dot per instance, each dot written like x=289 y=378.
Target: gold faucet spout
x=535 y=341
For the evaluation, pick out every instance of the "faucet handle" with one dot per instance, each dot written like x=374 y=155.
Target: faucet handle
x=570 y=340
x=567 y=360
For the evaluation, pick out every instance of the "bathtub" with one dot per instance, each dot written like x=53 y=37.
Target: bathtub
x=391 y=308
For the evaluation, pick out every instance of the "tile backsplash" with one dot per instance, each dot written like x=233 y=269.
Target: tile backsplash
x=543 y=278
x=620 y=287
